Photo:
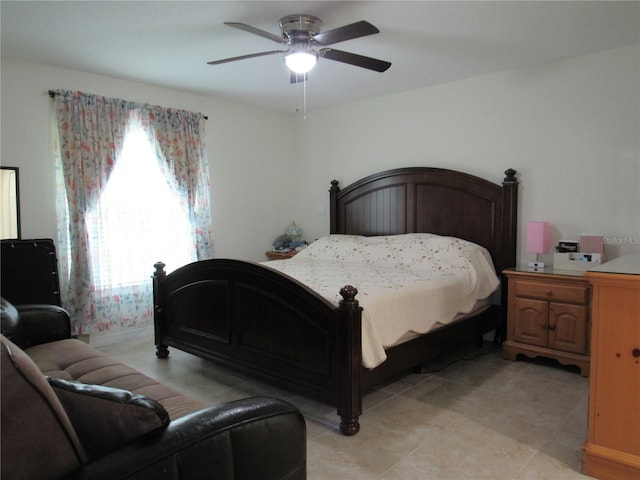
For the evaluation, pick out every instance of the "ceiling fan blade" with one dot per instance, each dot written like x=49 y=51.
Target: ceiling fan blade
x=340 y=34
x=355 y=59
x=243 y=57
x=298 y=77
x=257 y=31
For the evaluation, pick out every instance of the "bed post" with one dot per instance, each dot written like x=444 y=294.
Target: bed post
x=510 y=212
x=333 y=202
x=349 y=361
x=509 y=242
x=162 y=351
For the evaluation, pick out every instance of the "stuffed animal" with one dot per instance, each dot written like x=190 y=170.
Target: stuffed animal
x=282 y=242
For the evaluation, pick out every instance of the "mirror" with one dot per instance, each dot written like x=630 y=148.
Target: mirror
x=9 y=203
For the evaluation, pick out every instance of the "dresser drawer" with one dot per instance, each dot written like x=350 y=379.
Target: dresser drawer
x=552 y=292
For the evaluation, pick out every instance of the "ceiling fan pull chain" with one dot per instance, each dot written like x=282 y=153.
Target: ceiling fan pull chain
x=304 y=101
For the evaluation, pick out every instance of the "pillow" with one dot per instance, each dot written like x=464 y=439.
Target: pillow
x=107 y=418
x=336 y=248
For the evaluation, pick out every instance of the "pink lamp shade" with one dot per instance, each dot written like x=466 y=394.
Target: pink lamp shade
x=537 y=237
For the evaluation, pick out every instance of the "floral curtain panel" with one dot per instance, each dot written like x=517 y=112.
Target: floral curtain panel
x=90 y=135
x=178 y=136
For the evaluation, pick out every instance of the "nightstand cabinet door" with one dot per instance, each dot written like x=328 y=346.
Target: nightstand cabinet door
x=530 y=322
x=568 y=327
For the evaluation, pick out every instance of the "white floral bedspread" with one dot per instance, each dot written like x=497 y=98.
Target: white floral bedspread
x=406 y=283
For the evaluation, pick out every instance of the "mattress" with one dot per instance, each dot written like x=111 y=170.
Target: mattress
x=407 y=284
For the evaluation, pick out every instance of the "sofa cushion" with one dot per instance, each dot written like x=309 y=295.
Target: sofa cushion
x=106 y=418
x=77 y=361
x=38 y=440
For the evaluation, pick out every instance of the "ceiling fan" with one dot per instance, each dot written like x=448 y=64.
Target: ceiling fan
x=305 y=43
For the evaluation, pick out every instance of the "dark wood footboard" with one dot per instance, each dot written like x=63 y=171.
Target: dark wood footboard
x=265 y=324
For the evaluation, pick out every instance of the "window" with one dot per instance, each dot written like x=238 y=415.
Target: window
x=138 y=220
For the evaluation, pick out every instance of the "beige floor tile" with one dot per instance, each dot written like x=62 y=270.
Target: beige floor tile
x=372 y=451
x=464 y=450
x=479 y=418
x=410 y=419
x=545 y=467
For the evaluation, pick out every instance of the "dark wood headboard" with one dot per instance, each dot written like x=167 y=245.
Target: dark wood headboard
x=431 y=200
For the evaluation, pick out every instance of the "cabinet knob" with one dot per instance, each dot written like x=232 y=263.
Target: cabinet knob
x=635 y=352
x=548 y=292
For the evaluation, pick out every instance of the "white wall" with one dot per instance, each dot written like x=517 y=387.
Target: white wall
x=570 y=128
x=249 y=149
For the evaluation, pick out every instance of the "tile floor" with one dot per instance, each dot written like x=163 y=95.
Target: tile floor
x=480 y=417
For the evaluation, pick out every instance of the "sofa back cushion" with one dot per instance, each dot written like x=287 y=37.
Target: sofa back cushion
x=37 y=439
x=74 y=360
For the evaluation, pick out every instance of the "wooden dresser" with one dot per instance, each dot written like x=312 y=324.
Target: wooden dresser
x=548 y=316
x=612 y=450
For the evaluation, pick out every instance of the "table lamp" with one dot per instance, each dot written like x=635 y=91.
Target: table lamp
x=537 y=242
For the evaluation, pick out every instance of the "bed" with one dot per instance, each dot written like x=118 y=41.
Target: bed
x=260 y=320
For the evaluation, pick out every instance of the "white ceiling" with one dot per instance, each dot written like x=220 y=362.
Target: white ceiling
x=168 y=43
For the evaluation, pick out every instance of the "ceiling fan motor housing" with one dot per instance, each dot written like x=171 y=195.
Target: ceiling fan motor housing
x=294 y=26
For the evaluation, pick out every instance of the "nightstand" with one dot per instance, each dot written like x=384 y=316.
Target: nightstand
x=273 y=255
x=548 y=315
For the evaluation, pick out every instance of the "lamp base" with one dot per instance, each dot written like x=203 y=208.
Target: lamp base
x=536 y=266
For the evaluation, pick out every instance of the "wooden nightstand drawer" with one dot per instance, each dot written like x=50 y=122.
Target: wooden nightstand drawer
x=552 y=292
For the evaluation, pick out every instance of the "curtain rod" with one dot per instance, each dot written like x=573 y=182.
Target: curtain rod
x=52 y=94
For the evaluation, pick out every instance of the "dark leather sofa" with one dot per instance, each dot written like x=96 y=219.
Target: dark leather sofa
x=71 y=412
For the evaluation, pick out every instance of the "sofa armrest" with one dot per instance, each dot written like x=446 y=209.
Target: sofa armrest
x=44 y=323
x=246 y=439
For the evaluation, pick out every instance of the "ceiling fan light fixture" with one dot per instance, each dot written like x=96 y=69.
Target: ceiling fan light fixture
x=301 y=61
